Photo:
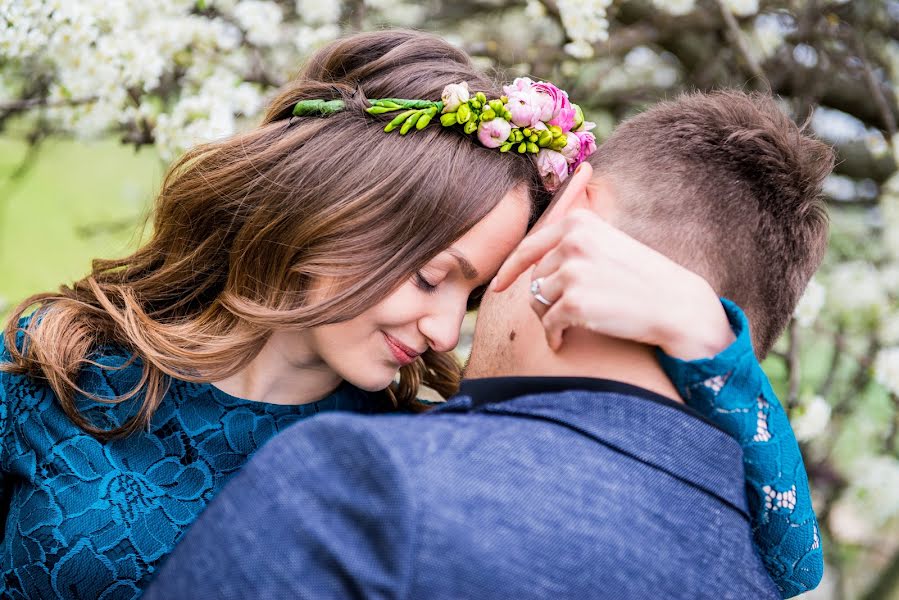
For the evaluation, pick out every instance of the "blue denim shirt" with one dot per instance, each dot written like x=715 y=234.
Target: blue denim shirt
x=517 y=488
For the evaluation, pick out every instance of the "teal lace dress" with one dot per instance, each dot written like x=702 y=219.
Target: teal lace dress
x=90 y=519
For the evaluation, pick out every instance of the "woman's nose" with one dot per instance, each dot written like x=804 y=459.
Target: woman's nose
x=442 y=328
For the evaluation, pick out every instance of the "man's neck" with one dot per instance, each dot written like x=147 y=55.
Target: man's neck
x=583 y=354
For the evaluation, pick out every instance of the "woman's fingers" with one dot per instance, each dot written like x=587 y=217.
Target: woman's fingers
x=534 y=246
x=528 y=252
x=557 y=319
x=550 y=289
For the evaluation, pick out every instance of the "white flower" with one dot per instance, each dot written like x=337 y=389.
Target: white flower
x=886 y=368
x=534 y=9
x=810 y=419
x=810 y=303
x=455 y=95
x=585 y=22
x=888 y=333
x=743 y=8
x=675 y=7
x=856 y=286
x=318 y=12
x=260 y=19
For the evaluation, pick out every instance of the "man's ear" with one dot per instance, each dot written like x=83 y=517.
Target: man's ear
x=571 y=196
x=601 y=198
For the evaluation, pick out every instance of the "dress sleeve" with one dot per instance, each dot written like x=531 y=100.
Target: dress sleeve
x=732 y=390
x=321 y=511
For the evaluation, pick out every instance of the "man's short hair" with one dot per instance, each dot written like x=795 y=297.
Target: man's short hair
x=729 y=186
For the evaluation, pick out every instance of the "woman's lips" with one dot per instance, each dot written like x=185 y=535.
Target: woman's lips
x=401 y=352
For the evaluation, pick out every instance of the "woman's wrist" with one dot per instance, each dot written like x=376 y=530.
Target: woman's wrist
x=699 y=327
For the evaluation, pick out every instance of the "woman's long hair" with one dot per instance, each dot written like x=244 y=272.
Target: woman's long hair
x=243 y=227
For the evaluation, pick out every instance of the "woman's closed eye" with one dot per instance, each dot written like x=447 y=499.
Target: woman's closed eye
x=424 y=284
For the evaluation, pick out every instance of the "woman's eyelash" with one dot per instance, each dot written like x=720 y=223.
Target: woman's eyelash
x=424 y=284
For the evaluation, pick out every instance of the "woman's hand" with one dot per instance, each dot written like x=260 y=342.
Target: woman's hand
x=597 y=277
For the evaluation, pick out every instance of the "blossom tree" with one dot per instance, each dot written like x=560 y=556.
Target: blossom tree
x=173 y=73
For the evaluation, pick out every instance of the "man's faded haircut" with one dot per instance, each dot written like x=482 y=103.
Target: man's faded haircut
x=729 y=186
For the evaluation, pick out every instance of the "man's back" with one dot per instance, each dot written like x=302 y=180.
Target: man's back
x=580 y=489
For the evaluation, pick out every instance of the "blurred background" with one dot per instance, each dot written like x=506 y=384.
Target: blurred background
x=96 y=97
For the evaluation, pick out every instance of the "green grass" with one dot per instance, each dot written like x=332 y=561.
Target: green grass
x=77 y=202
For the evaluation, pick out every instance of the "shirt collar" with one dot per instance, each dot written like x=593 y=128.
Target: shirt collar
x=490 y=390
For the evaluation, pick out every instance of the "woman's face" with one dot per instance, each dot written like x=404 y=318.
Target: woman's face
x=427 y=310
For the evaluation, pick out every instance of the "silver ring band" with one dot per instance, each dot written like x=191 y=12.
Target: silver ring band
x=535 y=292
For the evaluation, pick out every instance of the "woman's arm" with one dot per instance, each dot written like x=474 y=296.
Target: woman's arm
x=732 y=390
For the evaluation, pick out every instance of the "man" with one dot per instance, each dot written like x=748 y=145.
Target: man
x=568 y=470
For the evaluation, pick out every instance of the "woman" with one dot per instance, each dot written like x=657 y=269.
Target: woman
x=293 y=269
x=289 y=272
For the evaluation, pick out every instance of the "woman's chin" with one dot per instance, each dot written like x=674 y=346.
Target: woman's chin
x=373 y=382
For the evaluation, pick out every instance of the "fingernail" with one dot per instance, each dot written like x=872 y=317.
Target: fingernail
x=492 y=285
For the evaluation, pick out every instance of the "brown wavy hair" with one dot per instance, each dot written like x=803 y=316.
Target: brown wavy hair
x=242 y=227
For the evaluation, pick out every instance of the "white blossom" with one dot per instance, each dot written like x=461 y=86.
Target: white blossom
x=319 y=12
x=888 y=333
x=886 y=368
x=675 y=7
x=810 y=419
x=585 y=22
x=856 y=286
x=809 y=305
x=743 y=8
x=260 y=19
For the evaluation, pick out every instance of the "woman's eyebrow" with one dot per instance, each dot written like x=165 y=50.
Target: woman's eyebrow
x=468 y=269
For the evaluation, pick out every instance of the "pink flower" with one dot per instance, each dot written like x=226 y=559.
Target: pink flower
x=572 y=149
x=553 y=168
x=520 y=84
x=559 y=111
x=525 y=106
x=493 y=133
x=454 y=95
x=586 y=146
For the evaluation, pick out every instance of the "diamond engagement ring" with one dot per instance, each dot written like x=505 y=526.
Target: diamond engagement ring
x=535 y=292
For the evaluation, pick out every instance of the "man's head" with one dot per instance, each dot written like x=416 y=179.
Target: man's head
x=724 y=184
x=730 y=187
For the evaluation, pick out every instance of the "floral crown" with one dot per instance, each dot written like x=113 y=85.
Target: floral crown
x=530 y=118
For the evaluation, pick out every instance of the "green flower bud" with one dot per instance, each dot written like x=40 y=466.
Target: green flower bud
x=410 y=122
x=560 y=142
x=397 y=120
x=522 y=148
x=475 y=104
x=526 y=131
x=555 y=130
x=505 y=147
x=533 y=148
x=504 y=99
x=379 y=110
x=481 y=97
x=533 y=137
x=471 y=127
x=424 y=120
x=507 y=115
x=545 y=138
x=578 y=117
x=488 y=115
x=448 y=119
x=497 y=106
x=463 y=114
x=517 y=136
